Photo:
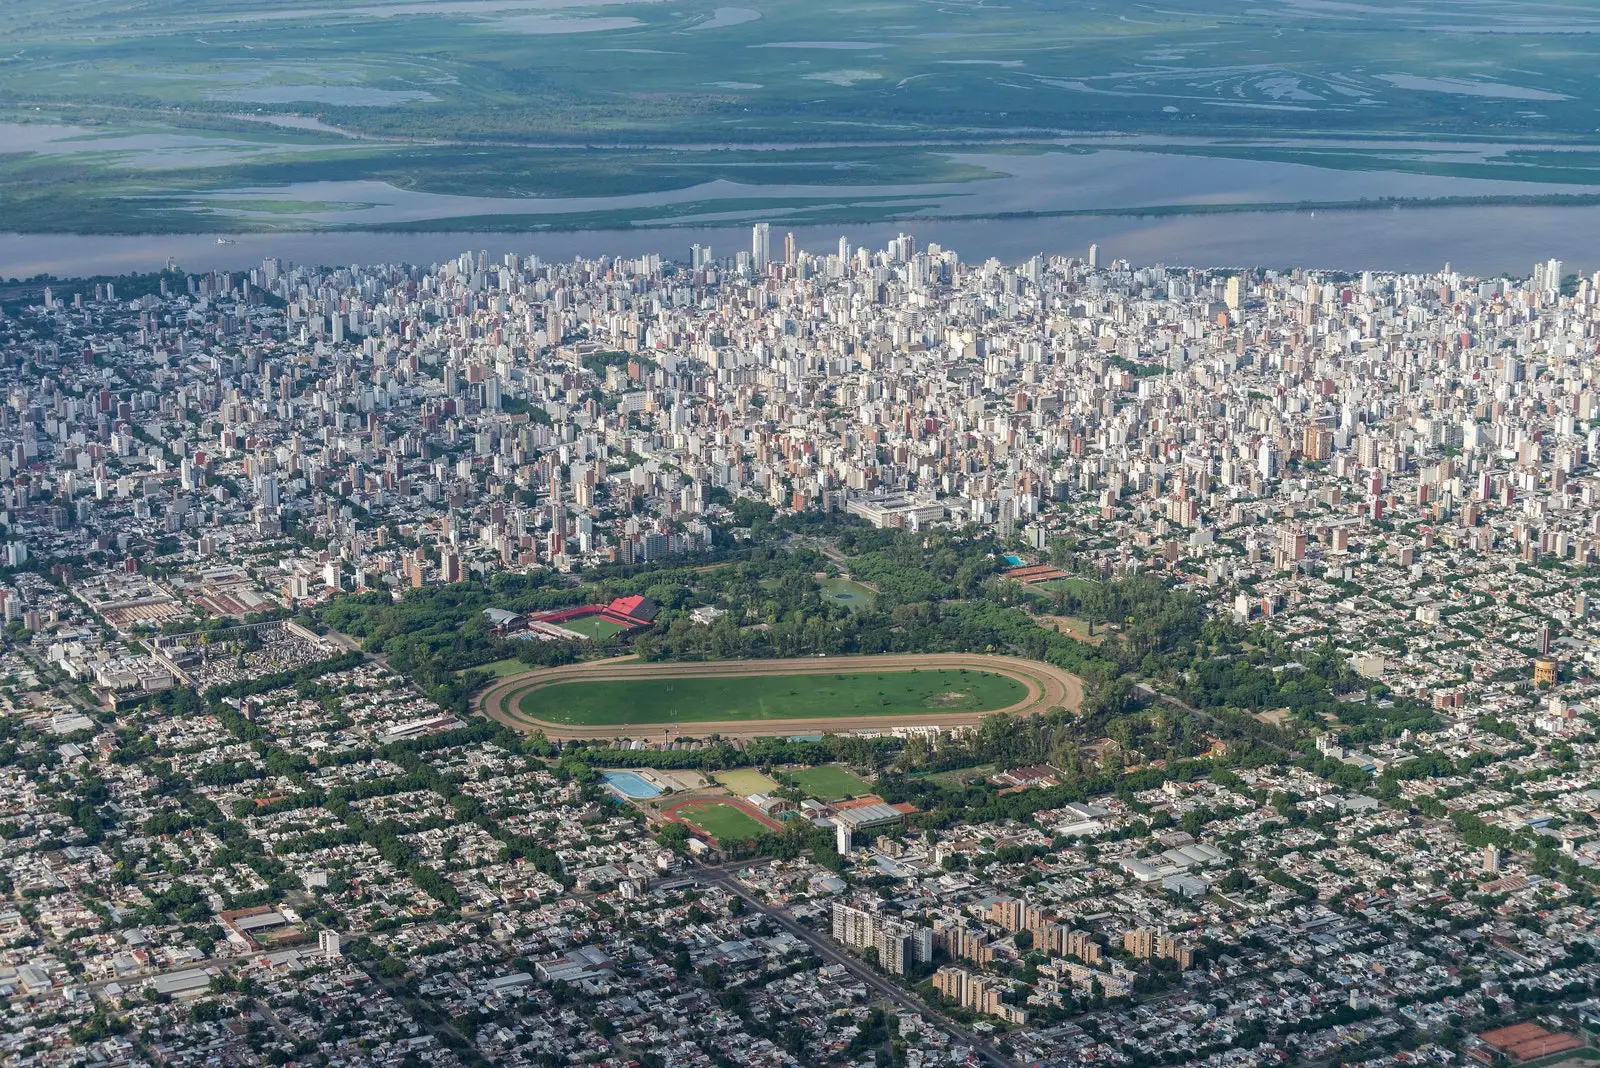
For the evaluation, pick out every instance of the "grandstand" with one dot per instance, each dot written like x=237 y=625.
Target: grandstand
x=595 y=622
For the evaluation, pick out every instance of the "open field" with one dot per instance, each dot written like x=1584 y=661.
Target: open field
x=173 y=115
x=829 y=782
x=744 y=781
x=797 y=695
x=773 y=697
x=502 y=668
x=1078 y=585
x=1071 y=625
x=722 y=820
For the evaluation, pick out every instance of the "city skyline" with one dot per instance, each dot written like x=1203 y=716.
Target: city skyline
x=800 y=657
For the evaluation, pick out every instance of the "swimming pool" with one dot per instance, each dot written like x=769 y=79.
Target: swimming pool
x=630 y=784
x=1014 y=561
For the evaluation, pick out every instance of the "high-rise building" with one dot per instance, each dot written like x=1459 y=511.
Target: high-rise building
x=980 y=993
x=1267 y=461
x=897 y=943
x=760 y=246
x=1094 y=257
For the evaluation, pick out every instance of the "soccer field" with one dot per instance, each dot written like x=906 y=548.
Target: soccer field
x=830 y=782
x=723 y=822
x=595 y=628
x=775 y=697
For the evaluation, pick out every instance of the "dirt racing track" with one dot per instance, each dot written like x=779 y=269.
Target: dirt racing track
x=1047 y=686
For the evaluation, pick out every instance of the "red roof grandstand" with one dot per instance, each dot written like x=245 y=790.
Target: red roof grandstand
x=637 y=608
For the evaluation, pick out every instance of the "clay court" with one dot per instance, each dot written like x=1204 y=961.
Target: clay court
x=1528 y=1041
x=1043 y=685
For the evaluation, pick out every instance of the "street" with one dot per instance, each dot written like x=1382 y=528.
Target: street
x=825 y=949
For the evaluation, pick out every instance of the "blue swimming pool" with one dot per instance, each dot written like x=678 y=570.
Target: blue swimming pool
x=1014 y=561
x=629 y=784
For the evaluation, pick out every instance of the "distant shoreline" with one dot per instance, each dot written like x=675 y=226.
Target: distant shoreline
x=508 y=224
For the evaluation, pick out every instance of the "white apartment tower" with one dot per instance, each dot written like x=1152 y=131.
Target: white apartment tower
x=760 y=246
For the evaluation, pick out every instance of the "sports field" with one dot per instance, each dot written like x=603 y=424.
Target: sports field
x=829 y=782
x=774 y=697
x=625 y=697
x=595 y=628
x=1076 y=585
x=722 y=822
x=745 y=781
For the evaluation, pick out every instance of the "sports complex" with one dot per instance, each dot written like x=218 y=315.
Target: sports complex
x=630 y=698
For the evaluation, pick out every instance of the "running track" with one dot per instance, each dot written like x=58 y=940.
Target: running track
x=672 y=810
x=1046 y=684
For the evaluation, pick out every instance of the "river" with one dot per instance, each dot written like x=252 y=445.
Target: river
x=1485 y=240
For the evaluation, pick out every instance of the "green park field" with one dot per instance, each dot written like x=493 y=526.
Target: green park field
x=502 y=668
x=723 y=822
x=829 y=782
x=774 y=697
x=745 y=781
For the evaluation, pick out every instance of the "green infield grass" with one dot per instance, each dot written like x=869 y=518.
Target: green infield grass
x=722 y=822
x=829 y=782
x=744 y=781
x=774 y=697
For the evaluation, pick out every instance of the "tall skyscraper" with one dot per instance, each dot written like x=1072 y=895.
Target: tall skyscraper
x=788 y=248
x=1267 y=461
x=760 y=246
x=1094 y=257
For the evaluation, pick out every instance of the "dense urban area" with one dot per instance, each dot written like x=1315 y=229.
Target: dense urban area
x=323 y=589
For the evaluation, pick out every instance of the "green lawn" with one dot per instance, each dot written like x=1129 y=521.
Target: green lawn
x=595 y=628
x=830 y=782
x=778 y=697
x=745 y=781
x=1077 y=585
x=502 y=668
x=722 y=822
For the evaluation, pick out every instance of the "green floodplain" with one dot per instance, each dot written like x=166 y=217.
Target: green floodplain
x=217 y=115
x=777 y=697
